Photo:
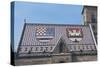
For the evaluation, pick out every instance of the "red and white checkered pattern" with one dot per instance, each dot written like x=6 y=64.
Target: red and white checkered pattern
x=40 y=30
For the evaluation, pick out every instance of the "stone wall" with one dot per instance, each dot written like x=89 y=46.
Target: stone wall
x=84 y=58
x=56 y=58
x=61 y=58
x=32 y=61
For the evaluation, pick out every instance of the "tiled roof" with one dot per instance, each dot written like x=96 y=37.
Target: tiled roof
x=29 y=42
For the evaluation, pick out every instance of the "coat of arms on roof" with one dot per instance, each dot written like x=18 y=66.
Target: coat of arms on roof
x=44 y=34
x=74 y=34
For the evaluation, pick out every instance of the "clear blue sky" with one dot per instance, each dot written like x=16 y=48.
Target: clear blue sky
x=44 y=13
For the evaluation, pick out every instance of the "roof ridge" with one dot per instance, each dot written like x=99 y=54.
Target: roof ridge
x=55 y=24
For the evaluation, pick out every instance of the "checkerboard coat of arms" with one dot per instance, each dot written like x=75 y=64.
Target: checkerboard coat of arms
x=44 y=34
